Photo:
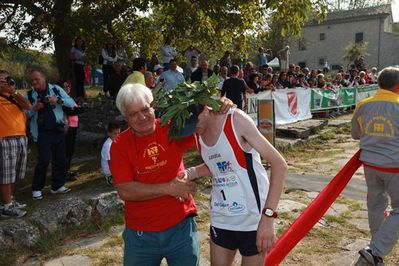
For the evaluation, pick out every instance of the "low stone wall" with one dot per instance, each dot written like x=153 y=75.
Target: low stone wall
x=98 y=113
x=56 y=215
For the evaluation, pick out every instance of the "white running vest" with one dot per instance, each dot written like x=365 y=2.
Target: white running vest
x=240 y=183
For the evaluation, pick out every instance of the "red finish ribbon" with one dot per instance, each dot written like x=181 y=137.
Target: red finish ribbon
x=313 y=213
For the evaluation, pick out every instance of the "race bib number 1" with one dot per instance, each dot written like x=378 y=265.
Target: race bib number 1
x=228 y=197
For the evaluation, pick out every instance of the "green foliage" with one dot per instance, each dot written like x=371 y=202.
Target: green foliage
x=18 y=61
x=213 y=25
x=354 y=4
x=173 y=105
x=395 y=27
x=354 y=51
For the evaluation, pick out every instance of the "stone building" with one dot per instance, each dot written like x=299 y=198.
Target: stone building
x=325 y=42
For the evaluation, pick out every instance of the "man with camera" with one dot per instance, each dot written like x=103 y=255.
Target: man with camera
x=47 y=129
x=13 y=144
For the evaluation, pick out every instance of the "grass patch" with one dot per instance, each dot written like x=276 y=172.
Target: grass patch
x=114 y=241
x=346 y=129
x=286 y=216
x=339 y=219
x=93 y=92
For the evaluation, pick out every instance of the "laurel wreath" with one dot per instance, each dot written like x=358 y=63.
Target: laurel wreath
x=173 y=105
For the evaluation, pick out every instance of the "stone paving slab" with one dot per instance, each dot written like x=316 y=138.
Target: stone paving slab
x=301 y=129
x=74 y=260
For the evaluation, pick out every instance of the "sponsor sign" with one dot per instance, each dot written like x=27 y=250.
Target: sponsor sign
x=266 y=119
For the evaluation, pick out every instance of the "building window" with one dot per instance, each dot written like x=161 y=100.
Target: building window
x=302 y=64
x=301 y=44
x=322 y=36
x=359 y=37
x=322 y=61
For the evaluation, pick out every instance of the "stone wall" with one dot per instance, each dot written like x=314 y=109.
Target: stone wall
x=337 y=37
x=98 y=113
x=55 y=216
x=377 y=32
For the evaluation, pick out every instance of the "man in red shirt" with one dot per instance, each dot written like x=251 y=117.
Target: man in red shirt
x=159 y=207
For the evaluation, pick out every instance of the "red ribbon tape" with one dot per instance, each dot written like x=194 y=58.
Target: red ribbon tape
x=313 y=213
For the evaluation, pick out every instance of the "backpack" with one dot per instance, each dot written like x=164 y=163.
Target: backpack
x=100 y=59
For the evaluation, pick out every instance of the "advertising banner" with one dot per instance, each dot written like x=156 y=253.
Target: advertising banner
x=292 y=105
x=266 y=121
x=325 y=99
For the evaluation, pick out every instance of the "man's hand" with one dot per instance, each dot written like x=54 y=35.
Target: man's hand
x=38 y=106
x=226 y=105
x=180 y=187
x=52 y=99
x=265 y=237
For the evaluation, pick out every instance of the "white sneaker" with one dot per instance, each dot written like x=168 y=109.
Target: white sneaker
x=61 y=190
x=37 y=195
x=12 y=211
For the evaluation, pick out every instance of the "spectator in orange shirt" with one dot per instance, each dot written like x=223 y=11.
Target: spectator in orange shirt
x=13 y=144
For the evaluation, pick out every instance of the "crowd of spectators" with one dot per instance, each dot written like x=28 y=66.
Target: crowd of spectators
x=258 y=76
x=295 y=76
x=54 y=112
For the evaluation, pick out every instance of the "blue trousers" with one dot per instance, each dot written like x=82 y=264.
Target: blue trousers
x=50 y=146
x=178 y=245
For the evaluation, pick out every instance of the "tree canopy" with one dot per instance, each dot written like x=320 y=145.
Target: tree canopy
x=354 y=4
x=213 y=25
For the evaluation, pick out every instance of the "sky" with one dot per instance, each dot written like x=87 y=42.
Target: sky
x=395 y=10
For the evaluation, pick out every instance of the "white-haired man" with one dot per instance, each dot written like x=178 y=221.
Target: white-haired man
x=159 y=207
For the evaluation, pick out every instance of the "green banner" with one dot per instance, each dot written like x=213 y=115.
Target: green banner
x=326 y=99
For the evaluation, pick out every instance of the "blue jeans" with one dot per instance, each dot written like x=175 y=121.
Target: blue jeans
x=50 y=147
x=177 y=244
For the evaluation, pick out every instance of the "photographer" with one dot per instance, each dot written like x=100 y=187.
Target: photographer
x=47 y=129
x=13 y=144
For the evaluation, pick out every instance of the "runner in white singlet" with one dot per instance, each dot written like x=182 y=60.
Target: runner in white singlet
x=243 y=202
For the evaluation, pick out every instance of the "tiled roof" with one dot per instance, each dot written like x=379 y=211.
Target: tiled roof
x=383 y=10
x=361 y=12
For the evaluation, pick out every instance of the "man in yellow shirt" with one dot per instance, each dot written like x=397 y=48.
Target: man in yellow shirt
x=13 y=144
x=139 y=68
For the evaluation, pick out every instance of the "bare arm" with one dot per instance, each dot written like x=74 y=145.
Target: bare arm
x=136 y=191
x=244 y=98
x=22 y=101
x=19 y=98
x=247 y=130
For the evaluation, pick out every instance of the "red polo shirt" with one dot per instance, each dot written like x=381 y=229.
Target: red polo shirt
x=151 y=159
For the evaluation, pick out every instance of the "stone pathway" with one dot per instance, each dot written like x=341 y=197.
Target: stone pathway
x=310 y=182
x=288 y=204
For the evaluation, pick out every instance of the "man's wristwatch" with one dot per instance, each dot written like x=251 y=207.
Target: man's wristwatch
x=14 y=94
x=269 y=213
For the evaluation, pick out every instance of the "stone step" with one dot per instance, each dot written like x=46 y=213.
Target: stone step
x=301 y=129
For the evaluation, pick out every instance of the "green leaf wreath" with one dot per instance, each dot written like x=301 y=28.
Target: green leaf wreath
x=172 y=105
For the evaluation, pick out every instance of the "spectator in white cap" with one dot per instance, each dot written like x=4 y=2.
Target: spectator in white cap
x=158 y=69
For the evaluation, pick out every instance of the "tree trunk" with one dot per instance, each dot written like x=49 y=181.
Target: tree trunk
x=63 y=37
